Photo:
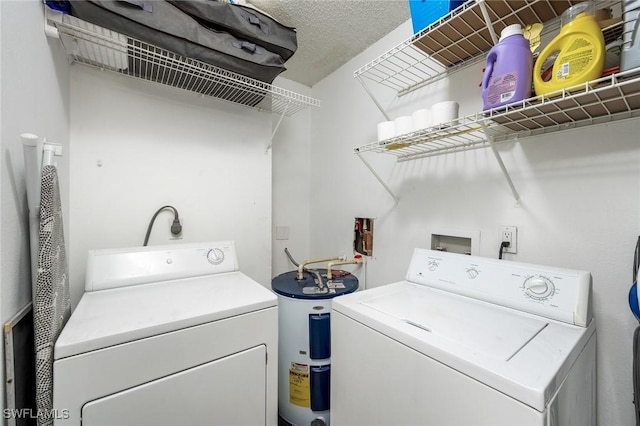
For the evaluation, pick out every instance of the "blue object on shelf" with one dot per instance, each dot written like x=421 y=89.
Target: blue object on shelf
x=426 y=12
x=61 y=6
x=633 y=301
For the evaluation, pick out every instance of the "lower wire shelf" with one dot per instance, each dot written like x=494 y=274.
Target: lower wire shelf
x=458 y=135
x=611 y=98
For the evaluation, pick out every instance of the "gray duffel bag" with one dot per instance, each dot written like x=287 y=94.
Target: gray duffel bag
x=162 y=24
x=243 y=22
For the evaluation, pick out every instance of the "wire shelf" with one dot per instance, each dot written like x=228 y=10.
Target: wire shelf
x=454 y=42
x=458 y=135
x=98 y=47
x=612 y=98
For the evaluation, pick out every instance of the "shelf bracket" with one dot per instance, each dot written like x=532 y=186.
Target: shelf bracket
x=377 y=176
x=489 y=138
x=51 y=17
x=487 y=20
x=275 y=130
x=373 y=98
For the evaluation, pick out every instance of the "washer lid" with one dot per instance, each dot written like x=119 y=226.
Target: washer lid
x=519 y=354
x=114 y=316
x=493 y=333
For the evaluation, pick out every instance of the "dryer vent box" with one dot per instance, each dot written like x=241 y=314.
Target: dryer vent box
x=455 y=240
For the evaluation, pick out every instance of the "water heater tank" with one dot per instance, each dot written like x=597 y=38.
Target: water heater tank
x=304 y=348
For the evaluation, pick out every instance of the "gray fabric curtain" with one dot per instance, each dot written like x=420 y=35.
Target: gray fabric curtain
x=51 y=301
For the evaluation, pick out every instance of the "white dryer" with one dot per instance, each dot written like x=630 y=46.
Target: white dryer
x=166 y=336
x=466 y=341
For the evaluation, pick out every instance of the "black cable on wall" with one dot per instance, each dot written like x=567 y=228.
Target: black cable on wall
x=176 y=227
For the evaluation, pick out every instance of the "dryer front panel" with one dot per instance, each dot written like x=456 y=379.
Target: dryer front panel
x=227 y=391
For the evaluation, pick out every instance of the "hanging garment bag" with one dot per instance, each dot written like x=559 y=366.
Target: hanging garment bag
x=164 y=25
x=243 y=22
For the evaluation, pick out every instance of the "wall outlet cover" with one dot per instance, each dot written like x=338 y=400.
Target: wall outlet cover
x=510 y=234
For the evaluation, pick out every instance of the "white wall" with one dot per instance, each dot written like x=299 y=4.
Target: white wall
x=136 y=146
x=579 y=209
x=290 y=183
x=34 y=88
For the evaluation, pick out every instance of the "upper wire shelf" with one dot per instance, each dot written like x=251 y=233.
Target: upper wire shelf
x=455 y=41
x=611 y=98
x=98 y=47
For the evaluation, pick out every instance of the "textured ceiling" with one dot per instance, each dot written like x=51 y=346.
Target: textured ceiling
x=331 y=32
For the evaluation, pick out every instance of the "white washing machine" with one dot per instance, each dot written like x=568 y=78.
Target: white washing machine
x=165 y=336
x=466 y=341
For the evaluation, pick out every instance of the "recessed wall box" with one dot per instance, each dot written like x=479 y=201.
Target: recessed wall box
x=455 y=240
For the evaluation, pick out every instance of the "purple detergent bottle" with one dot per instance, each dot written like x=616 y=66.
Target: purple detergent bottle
x=508 y=74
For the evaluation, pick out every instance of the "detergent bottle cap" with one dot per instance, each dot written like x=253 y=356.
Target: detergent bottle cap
x=510 y=30
x=573 y=12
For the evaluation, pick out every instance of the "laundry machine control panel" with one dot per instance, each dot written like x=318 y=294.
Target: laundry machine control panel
x=556 y=293
x=113 y=268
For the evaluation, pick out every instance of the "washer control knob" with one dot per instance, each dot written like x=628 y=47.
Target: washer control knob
x=539 y=287
x=432 y=265
x=472 y=273
x=215 y=256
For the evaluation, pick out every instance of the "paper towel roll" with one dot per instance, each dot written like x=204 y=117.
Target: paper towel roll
x=386 y=130
x=421 y=119
x=404 y=124
x=444 y=112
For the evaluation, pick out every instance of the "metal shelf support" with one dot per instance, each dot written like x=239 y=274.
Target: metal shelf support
x=378 y=178
x=505 y=172
x=275 y=130
x=487 y=19
x=373 y=98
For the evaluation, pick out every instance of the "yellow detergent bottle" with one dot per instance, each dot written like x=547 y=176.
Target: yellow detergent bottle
x=574 y=56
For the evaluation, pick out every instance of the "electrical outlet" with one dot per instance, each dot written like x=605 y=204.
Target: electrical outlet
x=510 y=234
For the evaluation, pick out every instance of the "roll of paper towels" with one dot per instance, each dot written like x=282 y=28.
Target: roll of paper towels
x=444 y=112
x=421 y=119
x=404 y=124
x=386 y=130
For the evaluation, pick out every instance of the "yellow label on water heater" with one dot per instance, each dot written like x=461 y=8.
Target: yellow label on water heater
x=299 y=385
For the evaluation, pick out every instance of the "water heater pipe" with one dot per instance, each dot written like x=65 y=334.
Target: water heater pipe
x=330 y=265
x=310 y=261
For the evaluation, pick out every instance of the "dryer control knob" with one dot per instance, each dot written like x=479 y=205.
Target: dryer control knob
x=215 y=256
x=472 y=273
x=538 y=287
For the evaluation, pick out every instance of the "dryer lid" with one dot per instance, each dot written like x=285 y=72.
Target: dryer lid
x=119 y=315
